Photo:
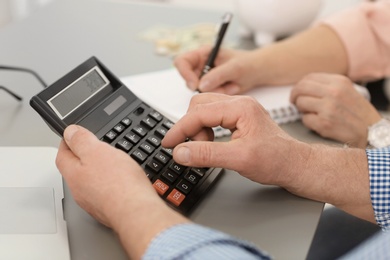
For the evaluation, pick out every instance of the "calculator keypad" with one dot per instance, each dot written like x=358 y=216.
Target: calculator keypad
x=139 y=134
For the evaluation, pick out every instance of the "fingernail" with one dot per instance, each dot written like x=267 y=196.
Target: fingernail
x=204 y=85
x=70 y=131
x=191 y=85
x=182 y=155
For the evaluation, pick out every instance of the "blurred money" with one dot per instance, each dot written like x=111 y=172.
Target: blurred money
x=171 y=41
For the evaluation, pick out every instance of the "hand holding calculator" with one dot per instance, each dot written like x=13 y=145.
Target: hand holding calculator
x=91 y=96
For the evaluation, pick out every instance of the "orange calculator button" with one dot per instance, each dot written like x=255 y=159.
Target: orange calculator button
x=160 y=187
x=176 y=197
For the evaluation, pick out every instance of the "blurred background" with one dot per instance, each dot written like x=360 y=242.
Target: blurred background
x=13 y=10
x=335 y=227
x=16 y=10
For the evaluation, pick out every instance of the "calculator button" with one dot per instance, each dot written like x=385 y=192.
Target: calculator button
x=168 y=124
x=119 y=128
x=176 y=197
x=132 y=137
x=139 y=111
x=170 y=176
x=156 y=115
x=193 y=178
x=149 y=122
x=126 y=121
x=124 y=145
x=160 y=187
x=141 y=131
x=154 y=166
x=110 y=136
x=184 y=186
x=199 y=171
x=161 y=131
x=146 y=147
x=154 y=140
x=167 y=151
x=161 y=158
x=177 y=168
x=139 y=156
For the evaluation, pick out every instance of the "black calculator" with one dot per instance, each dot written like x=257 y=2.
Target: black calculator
x=91 y=96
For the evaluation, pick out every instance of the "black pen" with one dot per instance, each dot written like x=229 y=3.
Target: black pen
x=214 y=52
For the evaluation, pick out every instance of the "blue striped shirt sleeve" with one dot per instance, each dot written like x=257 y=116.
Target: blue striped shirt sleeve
x=379 y=168
x=192 y=241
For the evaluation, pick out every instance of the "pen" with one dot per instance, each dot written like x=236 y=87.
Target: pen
x=214 y=52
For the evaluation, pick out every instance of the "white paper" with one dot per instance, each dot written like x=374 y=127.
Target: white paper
x=166 y=92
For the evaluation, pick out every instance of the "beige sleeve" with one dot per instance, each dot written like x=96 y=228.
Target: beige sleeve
x=365 y=33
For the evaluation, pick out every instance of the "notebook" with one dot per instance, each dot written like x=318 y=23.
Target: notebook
x=166 y=91
x=32 y=224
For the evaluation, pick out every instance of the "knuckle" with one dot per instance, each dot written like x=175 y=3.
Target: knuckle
x=335 y=92
x=196 y=108
x=252 y=103
x=204 y=155
x=344 y=81
x=248 y=101
x=196 y=101
x=331 y=109
x=193 y=101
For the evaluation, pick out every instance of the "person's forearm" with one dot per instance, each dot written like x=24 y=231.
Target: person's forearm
x=317 y=49
x=338 y=176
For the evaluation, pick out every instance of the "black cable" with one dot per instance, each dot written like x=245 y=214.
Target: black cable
x=11 y=93
x=22 y=70
x=25 y=70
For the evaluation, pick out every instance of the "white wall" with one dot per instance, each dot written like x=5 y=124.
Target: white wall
x=18 y=9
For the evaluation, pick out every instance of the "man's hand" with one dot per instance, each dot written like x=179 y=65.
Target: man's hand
x=262 y=152
x=333 y=108
x=257 y=144
x=114 y=189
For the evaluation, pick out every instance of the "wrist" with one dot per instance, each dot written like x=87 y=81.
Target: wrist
x=297 y=157
x=138 y=226
x=275 y=65
x=264 y=67
x=325 y=174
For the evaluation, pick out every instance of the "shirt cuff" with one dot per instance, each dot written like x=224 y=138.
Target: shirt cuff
x=379 y=168
x=192 y=241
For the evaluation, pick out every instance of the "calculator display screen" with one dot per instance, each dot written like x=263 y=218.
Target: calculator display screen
x=78 y=92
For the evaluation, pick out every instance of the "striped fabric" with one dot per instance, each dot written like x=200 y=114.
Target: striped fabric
x=379 y=167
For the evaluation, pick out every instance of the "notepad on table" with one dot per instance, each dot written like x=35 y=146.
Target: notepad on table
x=166 y=91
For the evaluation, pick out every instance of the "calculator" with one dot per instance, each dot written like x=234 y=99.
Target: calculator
x=91 y=96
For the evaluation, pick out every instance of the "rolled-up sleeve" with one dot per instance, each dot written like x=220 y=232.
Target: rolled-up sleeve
x=365 y=33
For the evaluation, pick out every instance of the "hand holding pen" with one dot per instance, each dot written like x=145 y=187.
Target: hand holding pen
x=234 y=72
